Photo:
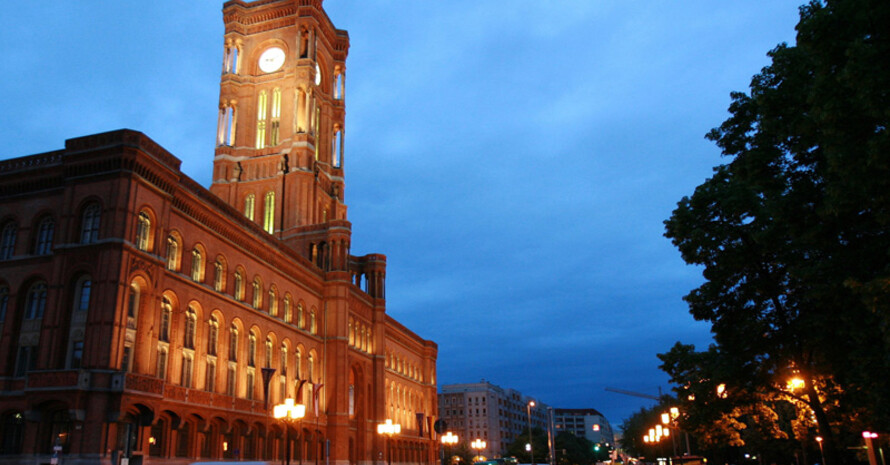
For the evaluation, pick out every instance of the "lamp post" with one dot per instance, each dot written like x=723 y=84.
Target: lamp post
x=388 y=429
x=531 y=449
x=448 y=440
x=478 y=445
x=288 y=412
x=821 y=452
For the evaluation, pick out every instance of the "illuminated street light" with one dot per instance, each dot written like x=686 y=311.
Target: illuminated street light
x=449 y=439
x=531 y=451
x=478 y=445
x=288 y=412
x=388 y=429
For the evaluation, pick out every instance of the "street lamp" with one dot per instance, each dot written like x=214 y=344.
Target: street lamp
x=448 y=439
x=531 y=451
x=821 y=452
x=288 y=412
x=388 y=429
x=478 y=445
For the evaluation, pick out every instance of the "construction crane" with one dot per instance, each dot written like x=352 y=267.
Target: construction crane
x=636 y=394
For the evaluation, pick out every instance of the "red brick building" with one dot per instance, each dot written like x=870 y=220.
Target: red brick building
x=144 y=317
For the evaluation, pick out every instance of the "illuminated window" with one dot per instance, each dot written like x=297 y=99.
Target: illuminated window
x=210 y=381
x=262 y=103
x=219 y=275
x=313 y=324
x=191 y=325
x=166 y=316
x=173 y=253
x=282 y=363
x=239 y=286
x=226 y=125
x=133 y=304
x=188 y=362
x=45 y=230
x=268 y=354
x=7 y=240
x=212 y=336
x=230 y=58
x=276 y=116
x=257 y=298
x=197 y=265
x=300 y=321
x=273 y=302
x=233 y=344
x=287 y=309
x=89 y=223
x=310 y=365
x=162 y=362
x=143 y=231
x=269 y=212
x=251 y=350
x=249 y=206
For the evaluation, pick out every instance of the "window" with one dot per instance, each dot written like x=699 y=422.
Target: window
x=251 y=384
x=219 y=275
x=82 y=295
x=197 y=265
x=165 y=317
x=310 y=365
x=35 y=301
x=300 y=316
x=213 y=336
x=44 y=243
x=269 y=213
x=313 y=327
x=127 y=359
x=276 y=116
x=273 y=302
x=26 y=360
x=191 y=323
x=76 y=354
x=251 y=350
x=282 y=363
x=287 y=309
x=262 y=103
x=7 y=240
x=233 y=344
x=257 y=298
x=268 y=358
x=162 y=363
x=172 y=253
x=89 y=223
x=133 y=304
x=143 y=231
x=225 y=132
x=239 y=285
x=210 y=382
x=188 y=361
x=230 y=379
x=4 y=303
x=249 y=206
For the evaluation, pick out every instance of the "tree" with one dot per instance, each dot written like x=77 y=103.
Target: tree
x=539 y=447
x=793 y=232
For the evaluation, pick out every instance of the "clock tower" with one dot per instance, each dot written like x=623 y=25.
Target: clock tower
x=279 y=146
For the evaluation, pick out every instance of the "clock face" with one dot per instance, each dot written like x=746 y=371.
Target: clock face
x=271 y=59
x=317 y=75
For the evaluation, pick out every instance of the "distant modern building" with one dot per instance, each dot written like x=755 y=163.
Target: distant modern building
x=585 y=423
x=499 y=416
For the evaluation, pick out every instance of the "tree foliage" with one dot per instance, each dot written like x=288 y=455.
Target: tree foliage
x=793 y=231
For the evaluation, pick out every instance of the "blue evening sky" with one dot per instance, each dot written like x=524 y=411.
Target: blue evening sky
x=514 y=159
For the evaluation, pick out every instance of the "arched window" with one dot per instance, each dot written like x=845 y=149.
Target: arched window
x=257 y=298
x=133 y=303
x=262 y=103
x=268 y=355
x=273 y=302
x=7 y=240
x=298 y=355
x=269 y=212
x=82 y=294
x=210 y=381
x=249 y=206
x=35 y=301
x=276 y=116
x=239 y=286
x=251 y=350
x=212 y=336
x=173 y=254
x=282 y=363
x=288 y=309
x=43 y=244
x=233 y=344
x=165 y=317
x=313 y=325
x=89 y=223
x=219 y=275
x=188 y=362
x=143 y=231
x=162 y=362
x=225 y=133
x=310 y=365
x=197 y=265
x=300 y=322
x=191 y=324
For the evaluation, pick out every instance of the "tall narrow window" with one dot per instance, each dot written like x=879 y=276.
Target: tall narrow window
x=172 y=253
x=35 y=301
x=82 y=302
x=269 y=213
x=251 y=350
x=257 y=298
x=262 y=104
x=225 y=134
x=143 y=231
x=273 y=302
x=76 y=354
x=300 y=322
x=233 y=344
x=219 y=275
x=310 y=365
x=4 y=303
x=89 y=223
x=210 y=381
x=45 y=231
x=212 y=336
x=231 y=379
x=275 y=117
x=7 y=240
x=313 y=323
x=249 y=206
x=191 y=324
x=267 y=362
x=287 y=309
x=188 y=361
x=197 y=265
x=282 y=362
x=162 y=363
x=166 y=316
x=251 y=384
x=133 y=303
x=239 y=285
